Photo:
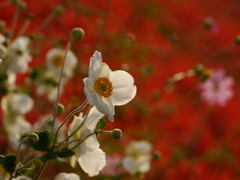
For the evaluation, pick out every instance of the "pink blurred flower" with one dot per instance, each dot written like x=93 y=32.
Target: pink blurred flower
x=217 y=89
x=113 y=166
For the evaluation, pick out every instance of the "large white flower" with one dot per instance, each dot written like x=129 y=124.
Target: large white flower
x=138 y=157
x=105 y=88
x=55 y=59
x=90 y=157
x=66 y=176
x=18 y=55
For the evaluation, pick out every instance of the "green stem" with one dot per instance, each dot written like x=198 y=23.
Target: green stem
x=40 y=170
x=69 y=116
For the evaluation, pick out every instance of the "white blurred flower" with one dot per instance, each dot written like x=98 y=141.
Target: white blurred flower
x=18 y=55
x=22 y=177
x=138 y=157
x=105 y=88
x=14 y=106
x=88 y=154
x=16 y=130
x=17 y=103
x=55 y=59
x=67 y=176
x=48 y=84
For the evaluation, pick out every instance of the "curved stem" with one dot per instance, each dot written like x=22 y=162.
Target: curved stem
x=78 y=127
x=69 y=116
x=60 y=80
x=40 y=170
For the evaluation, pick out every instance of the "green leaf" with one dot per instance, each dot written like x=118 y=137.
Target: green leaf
x=8 y=162
x=45 y=142
x=65 y=153
x=48 y=157
x=101 y=124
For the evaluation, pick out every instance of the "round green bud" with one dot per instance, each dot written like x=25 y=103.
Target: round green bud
x=77 y=34
x=208 y=22
x=21 y=5
x=156 y=155
x=32 y=138
x=58 y=11
x=116 y=134
x=237 y=40
x=59 y=109
x=199 y=69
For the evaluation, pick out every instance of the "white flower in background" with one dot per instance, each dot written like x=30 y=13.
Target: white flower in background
x=14 y=106
x=105 y=88
x=18 y=55
x=3 y=49
x=17 y=103
x=138 y=157
x=67 y=176
x=45 y=123
x=88 y=154
x=17 y=130
x=48 y=84
x=55 y=59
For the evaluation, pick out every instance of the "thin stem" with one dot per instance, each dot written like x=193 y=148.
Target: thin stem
x=60 y=80
x=40 y=170
x=15 y=19
x=79 y=125
x=18 y=151
x=69 y=116
x=45 y=22
x=24 y=27
x=81 y=141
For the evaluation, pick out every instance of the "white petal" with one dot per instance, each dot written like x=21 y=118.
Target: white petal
x=95 y=65
x=104 y=105
x=105 y=70
x=120 y=79
x=122 y=96
x=93 y=117
x=92 y=161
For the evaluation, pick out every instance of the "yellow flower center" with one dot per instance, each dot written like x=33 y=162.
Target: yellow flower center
x=103 y=87
x=57 y=61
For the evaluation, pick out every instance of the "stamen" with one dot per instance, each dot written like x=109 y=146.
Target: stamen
x=57 y=61
x=103 y=87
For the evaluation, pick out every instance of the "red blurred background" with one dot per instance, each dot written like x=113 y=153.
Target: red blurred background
x=153 y=40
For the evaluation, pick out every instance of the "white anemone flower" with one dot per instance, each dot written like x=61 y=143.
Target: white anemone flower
x=55 y=59
x=88 y=154
x=18 y=55
x=105 y=88
x=17 y=103
x=16 y=130
x=138 y=157
x=67 y=176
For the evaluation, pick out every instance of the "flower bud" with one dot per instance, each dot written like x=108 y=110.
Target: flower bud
x=58 y=11
x=209 y=22
x=156 y=155
x=32 y=138
x=237 y=40
x=77 y=34
x=59 y=109
x=116 y=134
x=21 y=5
